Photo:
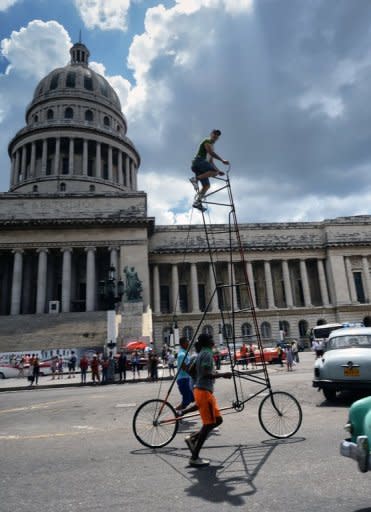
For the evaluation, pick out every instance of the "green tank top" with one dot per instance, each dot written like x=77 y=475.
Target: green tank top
x=201 y=152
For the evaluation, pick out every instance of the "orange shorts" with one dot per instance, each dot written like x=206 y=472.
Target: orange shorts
x=207 y=406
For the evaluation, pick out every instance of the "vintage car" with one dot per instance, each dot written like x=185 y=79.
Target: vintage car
x=357 y=447
x=346 y=362
x=270 y=355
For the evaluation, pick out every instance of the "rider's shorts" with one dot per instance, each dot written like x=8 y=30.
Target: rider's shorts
x=207 y=406
x=199 y=166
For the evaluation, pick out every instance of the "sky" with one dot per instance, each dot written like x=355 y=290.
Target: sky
x=286 y=81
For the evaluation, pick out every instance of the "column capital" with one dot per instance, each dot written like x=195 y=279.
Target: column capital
x=42 y=249
x=66 y=249
x=17 y=250
x=90 y=249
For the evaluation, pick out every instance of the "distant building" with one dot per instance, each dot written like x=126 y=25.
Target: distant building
x=73 y=210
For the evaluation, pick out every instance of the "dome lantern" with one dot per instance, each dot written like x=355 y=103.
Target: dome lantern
x=79 y=54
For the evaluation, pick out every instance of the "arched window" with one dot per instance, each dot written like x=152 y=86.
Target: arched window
x=166 y=335
x=285 y=327
x=207 y=329
x=227 y=331
x=71 y=79
x=188 y=332
x=50 y=114
x=89 y=116
x=106 y=121
x=303 y=328
x=91 y=188
x=54 y=81
x=246 y=330
x=35 y=118
x=118 y=128
x=266 y=330
x=68 y=113
x=62 y=187
x=88 y=83
x=35 y=188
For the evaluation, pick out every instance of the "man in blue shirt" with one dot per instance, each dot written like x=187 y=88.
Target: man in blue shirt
x=184 y=380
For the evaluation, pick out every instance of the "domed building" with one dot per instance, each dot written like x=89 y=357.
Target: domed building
x=73 y=221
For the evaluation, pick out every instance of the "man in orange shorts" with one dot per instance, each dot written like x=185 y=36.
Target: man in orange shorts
x=204 y=398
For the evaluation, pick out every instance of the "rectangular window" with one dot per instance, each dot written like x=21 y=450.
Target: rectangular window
x=164 y=299
x=65 y=165
x=357 y=276
x=49 y=164
x=202 y=297
x=183 y=298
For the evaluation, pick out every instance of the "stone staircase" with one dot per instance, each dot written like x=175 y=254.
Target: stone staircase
x=25 y=333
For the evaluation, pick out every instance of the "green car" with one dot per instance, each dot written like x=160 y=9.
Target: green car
x=357 y=447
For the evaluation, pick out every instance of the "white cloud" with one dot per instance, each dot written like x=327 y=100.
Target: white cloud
x=5 y=4
x=104 y=14
x=32 y=52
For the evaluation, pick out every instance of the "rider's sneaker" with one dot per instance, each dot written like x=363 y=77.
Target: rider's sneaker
x=198 y=205
x=198 y=463
x=194 y=183
x=189 y=441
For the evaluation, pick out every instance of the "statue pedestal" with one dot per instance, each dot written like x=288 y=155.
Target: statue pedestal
x=131 y=327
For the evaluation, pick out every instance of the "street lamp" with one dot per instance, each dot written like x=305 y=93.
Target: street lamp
x=107 y=290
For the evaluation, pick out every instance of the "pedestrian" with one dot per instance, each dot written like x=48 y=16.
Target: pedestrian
x=72 y=364
x=204 y=168
x=36 y=370
x=289 y=357
x=84 y=365
x=60 y=365
x=252 y=358
x=53 y=366
x=94 y=365
x=244 y=356
x=21 y=368
x=121 y=364
x=153 y=363
x=171 y=363
x=135 y=364
x=30 y=376
x=105 y=366
x=295 y=351
x=205 y=399
x=279 y=354
x=183 y=380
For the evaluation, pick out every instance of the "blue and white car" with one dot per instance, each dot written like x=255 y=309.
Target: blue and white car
x=346 y=362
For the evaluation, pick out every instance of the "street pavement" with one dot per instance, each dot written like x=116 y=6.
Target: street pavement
x=73 y=449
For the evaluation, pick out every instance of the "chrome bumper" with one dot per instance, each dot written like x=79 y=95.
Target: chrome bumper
x=356 y=451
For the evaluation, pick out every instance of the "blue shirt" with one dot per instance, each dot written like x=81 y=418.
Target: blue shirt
x=182 y=358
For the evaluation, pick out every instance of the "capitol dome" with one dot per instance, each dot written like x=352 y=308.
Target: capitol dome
x=76 y=132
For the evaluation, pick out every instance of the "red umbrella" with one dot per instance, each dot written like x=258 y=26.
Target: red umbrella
x=136 y=345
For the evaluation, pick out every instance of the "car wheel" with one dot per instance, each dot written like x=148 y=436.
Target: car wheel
x=330 y=394
x=2 y=376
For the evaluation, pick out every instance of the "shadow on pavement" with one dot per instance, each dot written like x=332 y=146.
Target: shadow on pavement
x=227 y=480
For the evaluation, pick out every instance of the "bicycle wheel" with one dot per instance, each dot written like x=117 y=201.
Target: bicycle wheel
x=154 y=423
x=280 y=414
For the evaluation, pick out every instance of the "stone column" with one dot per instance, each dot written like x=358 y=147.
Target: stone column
x=98 y=161
x=16 y=168
x=366 y=278
x=15 y=305
x=194 y=289
x=71 y=156
x=322 y=283
x=156 y=289
x=119 y=165
x=214 y=305
x=232 y=286
x=90 y=278
x=352 y=287
x=269 y=284
x=110 y=169
x=44 y=157
x=57 y=155
x=287 y=284
x=33 y=159
x=66 y=279
x=127 y=172
x=85 y=158
x=250 y=277
x=23 y=162
x=305 y=283
x=41 y=280
x=132 y=175
x=174 y=288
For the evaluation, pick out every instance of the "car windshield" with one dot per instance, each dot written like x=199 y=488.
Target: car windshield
x=359 y=340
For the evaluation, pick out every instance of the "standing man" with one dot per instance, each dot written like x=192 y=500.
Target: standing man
x=204 y=168
x=183 y=379
x=205 y=400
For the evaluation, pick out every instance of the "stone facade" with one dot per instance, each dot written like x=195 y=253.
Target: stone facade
x=73 y=210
